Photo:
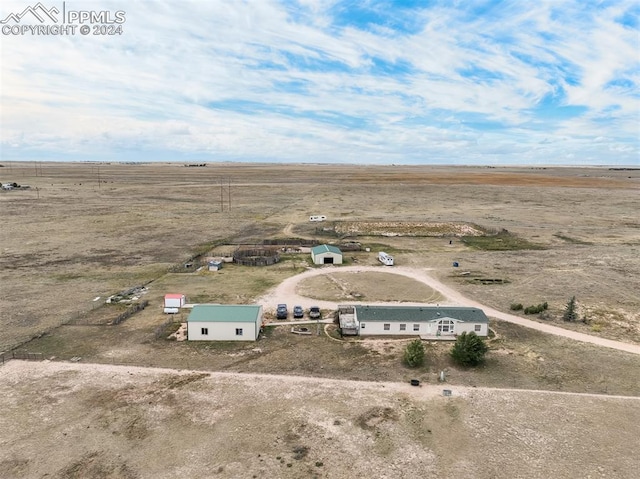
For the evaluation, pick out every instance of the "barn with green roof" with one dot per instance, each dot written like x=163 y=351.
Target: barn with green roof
x=326 y=254
x=224 y=322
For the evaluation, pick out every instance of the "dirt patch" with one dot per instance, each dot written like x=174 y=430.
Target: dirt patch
x=96 y=465
x=180 y=381
x=405 y=228
x=367 y=286
x=375 y=416
x=302 y=428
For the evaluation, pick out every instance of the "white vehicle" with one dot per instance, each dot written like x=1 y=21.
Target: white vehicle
x=317 y=218
x=385 y=258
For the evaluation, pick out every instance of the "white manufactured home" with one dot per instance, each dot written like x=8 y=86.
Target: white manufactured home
x=425 y=321
x=317 y=218
x=326 y=254
x=385 y=259
x=219 y=322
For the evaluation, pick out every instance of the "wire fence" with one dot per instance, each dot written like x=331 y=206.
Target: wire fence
x=130 y=312
x=24 y=355
x=162 y=329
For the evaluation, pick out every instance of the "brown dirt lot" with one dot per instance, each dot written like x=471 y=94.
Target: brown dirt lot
x=375 y=287
x=152 y=423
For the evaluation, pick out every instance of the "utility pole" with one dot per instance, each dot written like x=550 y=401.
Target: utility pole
x=221 y=197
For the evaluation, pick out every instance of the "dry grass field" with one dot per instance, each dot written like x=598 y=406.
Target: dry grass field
x=84 y=231
x=93 y=229
x=157 y=423
x=375 y=287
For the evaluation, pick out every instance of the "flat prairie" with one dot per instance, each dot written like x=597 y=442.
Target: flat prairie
x=88 y=230
x=123 y=401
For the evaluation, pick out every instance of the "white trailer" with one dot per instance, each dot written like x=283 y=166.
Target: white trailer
x=317 y=218
x=385 y=258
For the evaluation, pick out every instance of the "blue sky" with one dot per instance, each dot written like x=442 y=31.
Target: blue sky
x=378 y=82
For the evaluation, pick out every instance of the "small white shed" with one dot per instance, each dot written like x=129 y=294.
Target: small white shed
x=173 y=303
x=220 y=322
x=326 y=254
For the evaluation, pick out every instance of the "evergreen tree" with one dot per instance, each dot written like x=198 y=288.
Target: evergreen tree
x=469 y=349
x=414 y=354
x=570 y=313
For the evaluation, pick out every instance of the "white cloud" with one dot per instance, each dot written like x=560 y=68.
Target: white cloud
x=156 y=86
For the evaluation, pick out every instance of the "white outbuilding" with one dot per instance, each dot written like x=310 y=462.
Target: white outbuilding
x=219 y=322
x=326 y=254
x=173 y=303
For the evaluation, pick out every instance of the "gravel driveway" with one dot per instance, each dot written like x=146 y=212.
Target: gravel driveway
x=286 y=293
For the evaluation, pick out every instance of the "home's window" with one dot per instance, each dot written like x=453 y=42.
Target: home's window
x=416 y=327
x=387 y=326
x=478 y=328
x=403 y=327
x=362 y=325
x=445 y=326
x=204 y=331
x=238 y=331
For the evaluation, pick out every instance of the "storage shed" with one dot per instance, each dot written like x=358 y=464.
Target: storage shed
x=173 y=303
x=425 y=321
x=214 y=265
x=218 y=322
x=326 y=254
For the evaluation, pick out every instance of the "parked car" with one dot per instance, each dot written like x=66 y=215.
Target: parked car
x=298 y=312
x=282 y=312
x=314 y=312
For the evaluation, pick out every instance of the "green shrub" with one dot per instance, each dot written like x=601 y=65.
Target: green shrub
x=570 y=311
x=535 y=309
x=516 y=306
x=469 y=349
x=414 y=354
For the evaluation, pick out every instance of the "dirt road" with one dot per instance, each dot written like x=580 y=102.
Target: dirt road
x=286 y=293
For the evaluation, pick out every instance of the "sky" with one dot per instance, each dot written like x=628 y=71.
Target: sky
x=463 y=82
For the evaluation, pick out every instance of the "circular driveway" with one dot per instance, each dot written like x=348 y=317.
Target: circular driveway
x=285 y=292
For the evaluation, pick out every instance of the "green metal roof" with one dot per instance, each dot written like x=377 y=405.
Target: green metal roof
x=419 y=313
x=224 y=313
x=325 y=248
